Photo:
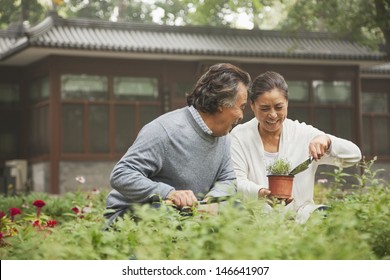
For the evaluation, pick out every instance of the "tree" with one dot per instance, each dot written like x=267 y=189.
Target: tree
x=93 y=9
x=136 y=11
x=173 y=12
x=20 y=11
x=383 y=20
x=365 y=21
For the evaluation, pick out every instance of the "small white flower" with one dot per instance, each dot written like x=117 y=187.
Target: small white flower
x=95 y=191
x=80 y=179
x=87 y=209
x=322 y=181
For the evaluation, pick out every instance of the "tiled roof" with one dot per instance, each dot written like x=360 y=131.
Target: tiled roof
x=81 y=34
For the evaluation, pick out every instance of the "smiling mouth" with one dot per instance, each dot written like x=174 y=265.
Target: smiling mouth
x=272 y=122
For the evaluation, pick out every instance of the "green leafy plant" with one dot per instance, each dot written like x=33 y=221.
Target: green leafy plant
x=369 y=175
x=357 y=227
x=279 y=167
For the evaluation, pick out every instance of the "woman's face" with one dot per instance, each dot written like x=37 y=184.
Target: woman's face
x=270 y=109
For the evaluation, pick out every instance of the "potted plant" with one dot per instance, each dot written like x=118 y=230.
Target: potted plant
x=279 y=179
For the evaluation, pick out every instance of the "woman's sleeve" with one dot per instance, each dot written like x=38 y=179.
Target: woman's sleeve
x=342 y=153
x=245 y=187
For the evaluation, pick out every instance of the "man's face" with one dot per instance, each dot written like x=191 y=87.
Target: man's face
x=227 y=117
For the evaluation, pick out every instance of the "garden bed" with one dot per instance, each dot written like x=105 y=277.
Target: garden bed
x=357 y=226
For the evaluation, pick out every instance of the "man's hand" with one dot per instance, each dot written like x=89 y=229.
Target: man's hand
x=183 y=198
x=318 y=146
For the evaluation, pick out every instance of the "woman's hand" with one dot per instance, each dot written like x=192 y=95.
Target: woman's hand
x=319 y=145
x=263 y=192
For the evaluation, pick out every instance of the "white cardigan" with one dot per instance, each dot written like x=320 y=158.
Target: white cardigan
x=248 y=159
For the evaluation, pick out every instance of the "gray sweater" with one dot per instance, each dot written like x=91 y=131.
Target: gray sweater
x=172 y=152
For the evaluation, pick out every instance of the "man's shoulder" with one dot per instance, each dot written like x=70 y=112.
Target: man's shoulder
x=174 y=115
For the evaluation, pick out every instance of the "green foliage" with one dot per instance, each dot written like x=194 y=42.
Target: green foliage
x=356 y=227
x=17 y=11
x=279 y=167
x=94 y=9
x=369 y=176
x=365 y=21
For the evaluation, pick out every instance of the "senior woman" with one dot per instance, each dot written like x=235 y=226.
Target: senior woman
x=271 y=135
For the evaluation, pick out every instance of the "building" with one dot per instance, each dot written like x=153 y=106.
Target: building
x=75 y=92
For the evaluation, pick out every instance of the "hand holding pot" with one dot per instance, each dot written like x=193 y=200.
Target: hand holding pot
x=264 y=193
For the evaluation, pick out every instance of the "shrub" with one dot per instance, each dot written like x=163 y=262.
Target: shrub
x=356 y=227
x=279 y=167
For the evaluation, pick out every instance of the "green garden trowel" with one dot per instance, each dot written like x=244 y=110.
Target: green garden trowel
x=302 y=167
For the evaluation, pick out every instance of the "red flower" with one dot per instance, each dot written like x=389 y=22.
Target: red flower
x=39 y=203
x=51 y=223
x=36 y=223
x=76 y=210
x=2 y=214
x=13 y=212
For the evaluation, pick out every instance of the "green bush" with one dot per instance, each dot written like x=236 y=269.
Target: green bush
x=355 y=227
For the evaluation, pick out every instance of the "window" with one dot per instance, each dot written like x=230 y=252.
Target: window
x=375 y=102
x=298 y=91
x=39 y=130
x=90 y=112
x=132 y=88
x=98 y=128
x=85 y=87
x=376 y=123
x=9 y=93
x=325 y=104
x=10 y=121
x=39 y=92
x=72 y=128
x=9 y=134
x=333 y=92
x=40 y=89
x=85 y=113
x=180 y=89
x=298 y=98
x=125 y=131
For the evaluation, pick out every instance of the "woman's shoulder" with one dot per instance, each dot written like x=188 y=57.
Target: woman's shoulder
x=297 y=127
x=245 y=127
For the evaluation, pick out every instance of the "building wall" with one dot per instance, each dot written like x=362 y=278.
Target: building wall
x=95 y=173
x=384 y=174
x=40 y=177
x=57 y=169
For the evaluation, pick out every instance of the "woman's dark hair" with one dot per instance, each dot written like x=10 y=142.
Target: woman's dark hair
x=266 y=82
x=217 y=87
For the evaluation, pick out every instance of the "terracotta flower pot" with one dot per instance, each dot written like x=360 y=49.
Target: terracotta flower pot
x=280 y=185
